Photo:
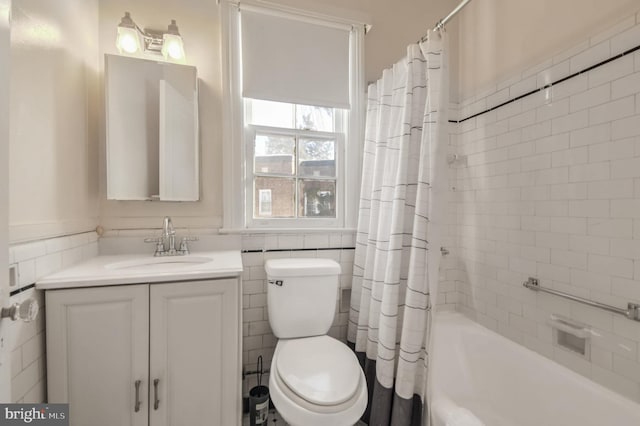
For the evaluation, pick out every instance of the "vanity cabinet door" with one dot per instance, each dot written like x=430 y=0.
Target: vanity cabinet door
x=194 y=353
x=97 y=348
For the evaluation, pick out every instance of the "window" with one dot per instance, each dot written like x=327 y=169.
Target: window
x=293 y=120
x=294 y=152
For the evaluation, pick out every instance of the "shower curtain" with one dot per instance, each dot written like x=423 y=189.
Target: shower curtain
x=402 y=206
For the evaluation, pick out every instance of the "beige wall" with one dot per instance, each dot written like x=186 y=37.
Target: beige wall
x=500 y=38
x=397 y=24
x=5 y=368
x=199 y=23
x=53 y=186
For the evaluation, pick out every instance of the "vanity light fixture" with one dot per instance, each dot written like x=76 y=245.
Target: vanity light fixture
x=131 y=40
x=128 y=40
x=172 y=45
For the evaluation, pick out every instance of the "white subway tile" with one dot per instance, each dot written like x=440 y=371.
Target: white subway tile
x=611 y=71
x=611 y=111
x=553 y=143
x=625 y=288
x=591 y=56
x=627 y=168
x=498 y=97
x=625 y=86
x=589 y=208
x=569 y=87
x=613 y=266
x=626 y=127
x=626 y=367
x=509 y=110
x=569 y=259
x=535 y=223
x=611 y=228
x=625 y=248
x=568 y=53
x=592 y=97
x=28 y=251
x=553 y=73
x=553 y=110
x=589 y=172
x=551 y=208
x=48 y=264
x=570 y=157
x=552 y=240
x=625 y=208
x=570 y=122
x=615 y=150
x=591 y=281
x=611 y=189
x=522 y=120
x=536 y=162
x=557 y=175
x=589 y=244
x=626 y=40
x=522 y=150
x=568 y=225
x=536 y=131
x=591 y=135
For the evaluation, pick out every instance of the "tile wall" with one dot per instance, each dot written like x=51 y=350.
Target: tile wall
x=32 y=261
x=551 y=189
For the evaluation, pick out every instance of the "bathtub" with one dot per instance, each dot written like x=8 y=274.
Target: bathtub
x=481 y=378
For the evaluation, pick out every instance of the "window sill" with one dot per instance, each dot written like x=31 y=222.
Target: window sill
x=285 y=230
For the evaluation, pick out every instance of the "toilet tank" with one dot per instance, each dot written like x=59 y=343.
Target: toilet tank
x=301 y=296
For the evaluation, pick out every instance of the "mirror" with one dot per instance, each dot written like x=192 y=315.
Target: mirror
x=151 y=130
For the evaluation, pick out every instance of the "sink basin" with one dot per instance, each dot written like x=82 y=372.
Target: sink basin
x=160 y=263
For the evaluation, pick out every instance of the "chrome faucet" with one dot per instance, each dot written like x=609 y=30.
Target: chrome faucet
x=166 y=243
x=169 y=236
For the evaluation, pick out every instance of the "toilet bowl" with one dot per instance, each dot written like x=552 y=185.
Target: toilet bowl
x=315 y=380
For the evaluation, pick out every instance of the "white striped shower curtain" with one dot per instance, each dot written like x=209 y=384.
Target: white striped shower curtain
x=402 y=205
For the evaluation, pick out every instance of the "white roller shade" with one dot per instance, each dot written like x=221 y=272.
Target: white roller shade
x=295 y=60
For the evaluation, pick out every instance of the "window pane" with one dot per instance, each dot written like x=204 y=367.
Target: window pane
x=274 y=154
x=317 y=157
x=317 y=198
x=314 y=118
x=272 y=114
x=274 y=197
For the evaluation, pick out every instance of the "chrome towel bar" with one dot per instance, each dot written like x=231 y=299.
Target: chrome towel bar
x=632 y=312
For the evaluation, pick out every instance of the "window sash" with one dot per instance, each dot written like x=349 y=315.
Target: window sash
x=299 y=221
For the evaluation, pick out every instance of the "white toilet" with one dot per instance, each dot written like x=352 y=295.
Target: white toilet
x=315 y=380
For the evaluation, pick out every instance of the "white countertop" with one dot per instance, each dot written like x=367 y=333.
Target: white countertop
x=144 y=268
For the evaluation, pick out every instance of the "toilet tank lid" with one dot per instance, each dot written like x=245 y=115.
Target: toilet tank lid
x=301 y=267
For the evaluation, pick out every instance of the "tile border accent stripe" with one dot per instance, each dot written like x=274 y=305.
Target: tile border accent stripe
x=562 y=80
x=22 y=290
x=296 y=249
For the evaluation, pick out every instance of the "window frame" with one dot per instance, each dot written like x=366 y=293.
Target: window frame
x=254 y=222
x=236 y=216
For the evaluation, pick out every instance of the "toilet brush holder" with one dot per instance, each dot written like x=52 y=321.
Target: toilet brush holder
x=259 y=400
x=258 y=406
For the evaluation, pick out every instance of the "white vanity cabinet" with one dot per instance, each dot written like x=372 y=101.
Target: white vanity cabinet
x=178 y=341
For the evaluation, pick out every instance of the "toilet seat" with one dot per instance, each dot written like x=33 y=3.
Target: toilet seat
x=320 y=370
x=340 y=406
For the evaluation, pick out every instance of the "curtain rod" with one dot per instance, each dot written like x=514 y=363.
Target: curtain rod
x=441 y=23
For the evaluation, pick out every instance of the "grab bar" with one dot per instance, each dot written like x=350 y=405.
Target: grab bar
x=633 y=311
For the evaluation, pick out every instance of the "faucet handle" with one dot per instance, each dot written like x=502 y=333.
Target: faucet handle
x=159 y=242
x=184 y=244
